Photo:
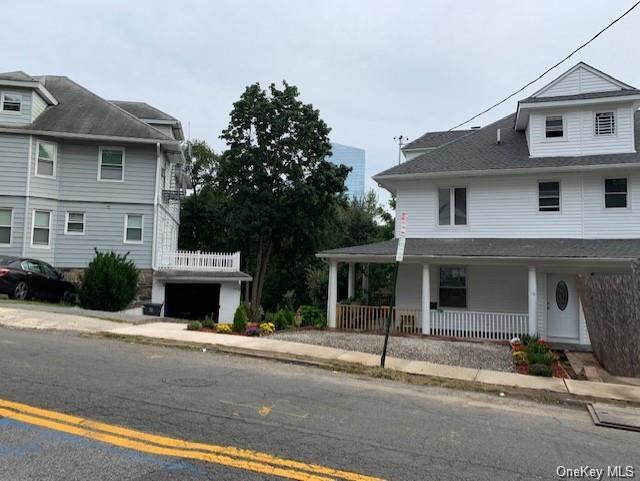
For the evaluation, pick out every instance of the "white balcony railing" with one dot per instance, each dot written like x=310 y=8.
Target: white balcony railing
x=200 y=261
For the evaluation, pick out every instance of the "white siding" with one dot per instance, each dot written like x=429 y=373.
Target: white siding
x=38 y=106
x=579 y=133
x=507 y=206
x=579 y=81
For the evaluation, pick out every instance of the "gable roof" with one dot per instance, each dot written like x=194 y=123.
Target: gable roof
x=80 y=112
x=431 y=140
x=478 y=151
x=143 y=110
x=17 y=76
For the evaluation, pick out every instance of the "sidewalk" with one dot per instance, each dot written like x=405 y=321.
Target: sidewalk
x=41 y=318
x=321 y=355
x=121 y=316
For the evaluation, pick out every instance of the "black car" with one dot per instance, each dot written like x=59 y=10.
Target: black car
x=22 y=278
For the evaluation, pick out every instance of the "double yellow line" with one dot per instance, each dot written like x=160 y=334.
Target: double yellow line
x=244 y=459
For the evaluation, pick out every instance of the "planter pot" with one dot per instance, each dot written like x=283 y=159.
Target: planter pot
x=522 y=368
x=559 y=371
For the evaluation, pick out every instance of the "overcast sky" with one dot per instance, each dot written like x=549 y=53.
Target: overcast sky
x=374 y=69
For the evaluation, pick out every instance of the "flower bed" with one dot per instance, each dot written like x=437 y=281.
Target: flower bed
x=533 y=356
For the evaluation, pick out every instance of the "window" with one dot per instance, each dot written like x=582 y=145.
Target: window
x=111 y=160
x=6 y=217
x=74 y=223
x=554 y=126
x=605 y=123
x=41 y=228
x=11 y=102
x=452 y=206
x=133 y=228
x=46 y=163
x=548 y=196
x=49 y=271
x=615 y=193
x=453 y=287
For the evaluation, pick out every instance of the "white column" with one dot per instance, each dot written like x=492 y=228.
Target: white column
x=332 y=297
x=365 y=283
x=426 y=300
x=351 y=283
x=533 y=301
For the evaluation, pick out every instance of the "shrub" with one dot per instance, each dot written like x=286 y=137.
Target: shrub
x=537 y=348
x=312 y=316
x=252 y=331
x=546 y=358
x=527 y=339
x=240 y=319
x=110 y=282
x=283 y=319
x=267 y=328
x=208 y=323
x=194 y=326
x=520 y=357
x=540 y=370
x=223 y=329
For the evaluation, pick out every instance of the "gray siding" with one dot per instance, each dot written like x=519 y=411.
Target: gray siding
x=16 y=204
x=37 y=107
x=14 y=151
x=45 y=186
x=78 y=174
x=43 y=253
x=17 y=118
x=104 y=230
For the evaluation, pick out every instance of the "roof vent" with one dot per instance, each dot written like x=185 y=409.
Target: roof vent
x=498 y=136
x=476 y=127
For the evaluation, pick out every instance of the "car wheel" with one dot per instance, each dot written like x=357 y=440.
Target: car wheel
x=21 y=291
x=69 y=297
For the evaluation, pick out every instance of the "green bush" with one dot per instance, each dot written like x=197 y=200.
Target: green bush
x=209 y=323
x=537 y=348
x=312 y=316
x=283 y=319
x=110 y=282
x=240 y=319
x=546 y=358
x=527 y=339
x=540 y=370
x=194 y=326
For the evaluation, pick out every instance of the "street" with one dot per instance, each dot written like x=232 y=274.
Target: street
x=368 y=427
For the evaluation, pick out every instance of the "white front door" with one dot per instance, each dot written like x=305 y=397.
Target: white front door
x=562 y=307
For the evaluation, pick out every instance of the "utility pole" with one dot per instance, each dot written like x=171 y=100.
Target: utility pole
x=402 y=140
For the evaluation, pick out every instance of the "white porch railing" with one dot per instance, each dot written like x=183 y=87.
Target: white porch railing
x=200 y=261
x=499 y=326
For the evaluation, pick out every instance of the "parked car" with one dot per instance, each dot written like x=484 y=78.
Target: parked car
x=22 y=278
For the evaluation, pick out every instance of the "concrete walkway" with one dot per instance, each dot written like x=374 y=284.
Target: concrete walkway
x=326 y=355
x=41 y=319
x=122 y=316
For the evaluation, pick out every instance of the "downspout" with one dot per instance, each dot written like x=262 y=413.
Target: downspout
x=26 y=199
x=155 y=206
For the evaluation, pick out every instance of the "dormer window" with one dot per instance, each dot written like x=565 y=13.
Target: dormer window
x=554 y=126
x=605 y=123
x=11 y=102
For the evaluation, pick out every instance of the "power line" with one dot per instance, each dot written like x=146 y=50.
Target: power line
x=550 y=68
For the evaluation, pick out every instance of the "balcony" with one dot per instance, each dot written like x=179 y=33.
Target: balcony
x=198 y=261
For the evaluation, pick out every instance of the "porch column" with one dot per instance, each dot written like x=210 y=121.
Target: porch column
x=365 y=283
x=332 y=296
x=426 y=300
x=533 y=298
x=351 y=284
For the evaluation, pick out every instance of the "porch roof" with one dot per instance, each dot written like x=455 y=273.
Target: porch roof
x=616 y=250
x=177 y=275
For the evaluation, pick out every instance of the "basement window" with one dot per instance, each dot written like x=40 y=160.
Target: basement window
x=554 y=126
x=605 y=123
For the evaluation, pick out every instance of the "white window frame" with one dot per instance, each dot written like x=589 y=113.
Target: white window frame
x=126 y=227
x=604 y=194
x=614 y=113
x=55 y=159
x=66 y=222
x=10 y=226
x=100 y=149
x=11 y=111
x=546 y=212
x=452 y=207
x=33 y=228
x=544 y=127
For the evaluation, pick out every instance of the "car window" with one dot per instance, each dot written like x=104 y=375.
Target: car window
x=31 y=266
x=48 y=270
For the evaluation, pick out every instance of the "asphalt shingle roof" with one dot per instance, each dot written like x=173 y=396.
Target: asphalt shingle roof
x=17 y=76
x=478 y=151
x=431 y=140
x=509 y=248
x=143 y=110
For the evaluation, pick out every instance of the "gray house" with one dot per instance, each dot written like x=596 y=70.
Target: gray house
x=78 y=172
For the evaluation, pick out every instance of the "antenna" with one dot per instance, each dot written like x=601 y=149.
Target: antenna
x=402 y=140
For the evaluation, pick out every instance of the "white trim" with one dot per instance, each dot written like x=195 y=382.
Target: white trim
x=66 y=222
x=118 y=149
x=26 y=197
x=10 y=226
x=589 y=68
x=12 y=112
x=55 y=159
x=541 y=181
x=33 y=226
x=50 y=99
x=154 y=241
x=104 y=138
x=126 y=227
x=564 y=136
x=614 y=123
x=452 y=207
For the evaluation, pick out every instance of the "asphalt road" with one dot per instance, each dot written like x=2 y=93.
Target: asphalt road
x=373 y=427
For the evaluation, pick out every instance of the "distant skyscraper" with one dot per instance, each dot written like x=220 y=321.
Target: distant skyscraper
x=354 y=158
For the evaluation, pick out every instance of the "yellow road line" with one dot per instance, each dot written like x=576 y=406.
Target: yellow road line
x=241 y=458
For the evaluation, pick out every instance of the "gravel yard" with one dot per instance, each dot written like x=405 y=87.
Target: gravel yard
x=455 y=353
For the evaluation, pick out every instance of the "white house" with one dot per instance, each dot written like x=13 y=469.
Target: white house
x=501 y=219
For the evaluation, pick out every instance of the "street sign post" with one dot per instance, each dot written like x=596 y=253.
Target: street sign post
x=399 y=257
